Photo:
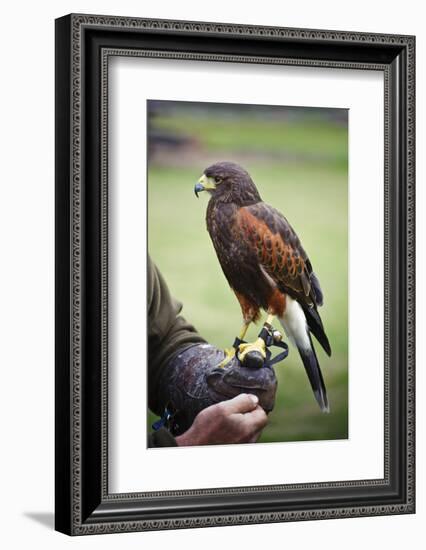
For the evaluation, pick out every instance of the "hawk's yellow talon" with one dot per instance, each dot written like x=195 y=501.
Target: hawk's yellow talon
x=258 y=346
x=229 y=355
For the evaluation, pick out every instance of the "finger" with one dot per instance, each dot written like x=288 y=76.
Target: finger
x=256 y=420
x=242 y=403
x=255 y=437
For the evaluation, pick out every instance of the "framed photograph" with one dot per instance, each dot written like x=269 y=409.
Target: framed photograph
x=234 y=274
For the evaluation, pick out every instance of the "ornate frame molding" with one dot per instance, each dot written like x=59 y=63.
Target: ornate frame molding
x=76 y=510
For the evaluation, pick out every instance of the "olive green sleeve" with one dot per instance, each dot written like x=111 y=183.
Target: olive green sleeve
x=168 y=332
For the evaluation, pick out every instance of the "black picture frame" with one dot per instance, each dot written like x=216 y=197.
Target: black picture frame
x=83 y=45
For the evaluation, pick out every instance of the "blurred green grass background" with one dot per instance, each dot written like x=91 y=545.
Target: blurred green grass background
x=298 y=159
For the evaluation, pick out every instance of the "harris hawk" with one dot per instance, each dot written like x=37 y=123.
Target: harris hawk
x=266 y=266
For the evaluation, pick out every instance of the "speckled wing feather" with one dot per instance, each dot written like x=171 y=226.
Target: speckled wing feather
x=278 y=250
x=281 y=255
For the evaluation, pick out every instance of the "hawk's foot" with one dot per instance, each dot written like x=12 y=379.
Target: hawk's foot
x=229 y=355
x=252 y=354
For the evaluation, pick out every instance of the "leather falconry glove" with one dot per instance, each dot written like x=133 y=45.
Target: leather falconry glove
x=193 y=380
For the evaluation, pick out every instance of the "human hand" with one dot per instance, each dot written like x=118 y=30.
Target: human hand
x=238 y=420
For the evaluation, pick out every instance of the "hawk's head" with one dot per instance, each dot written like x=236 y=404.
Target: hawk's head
x=228 y=182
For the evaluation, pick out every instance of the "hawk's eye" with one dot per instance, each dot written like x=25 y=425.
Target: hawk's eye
x=218 y=179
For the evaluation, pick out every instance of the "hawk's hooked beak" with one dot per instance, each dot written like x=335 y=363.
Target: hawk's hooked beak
x=204 y=184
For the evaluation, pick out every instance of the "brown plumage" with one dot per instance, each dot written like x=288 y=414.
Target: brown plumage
x=264 y=262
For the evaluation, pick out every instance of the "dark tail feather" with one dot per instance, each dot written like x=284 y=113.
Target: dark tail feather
x=313 y=371
x=316 y=327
